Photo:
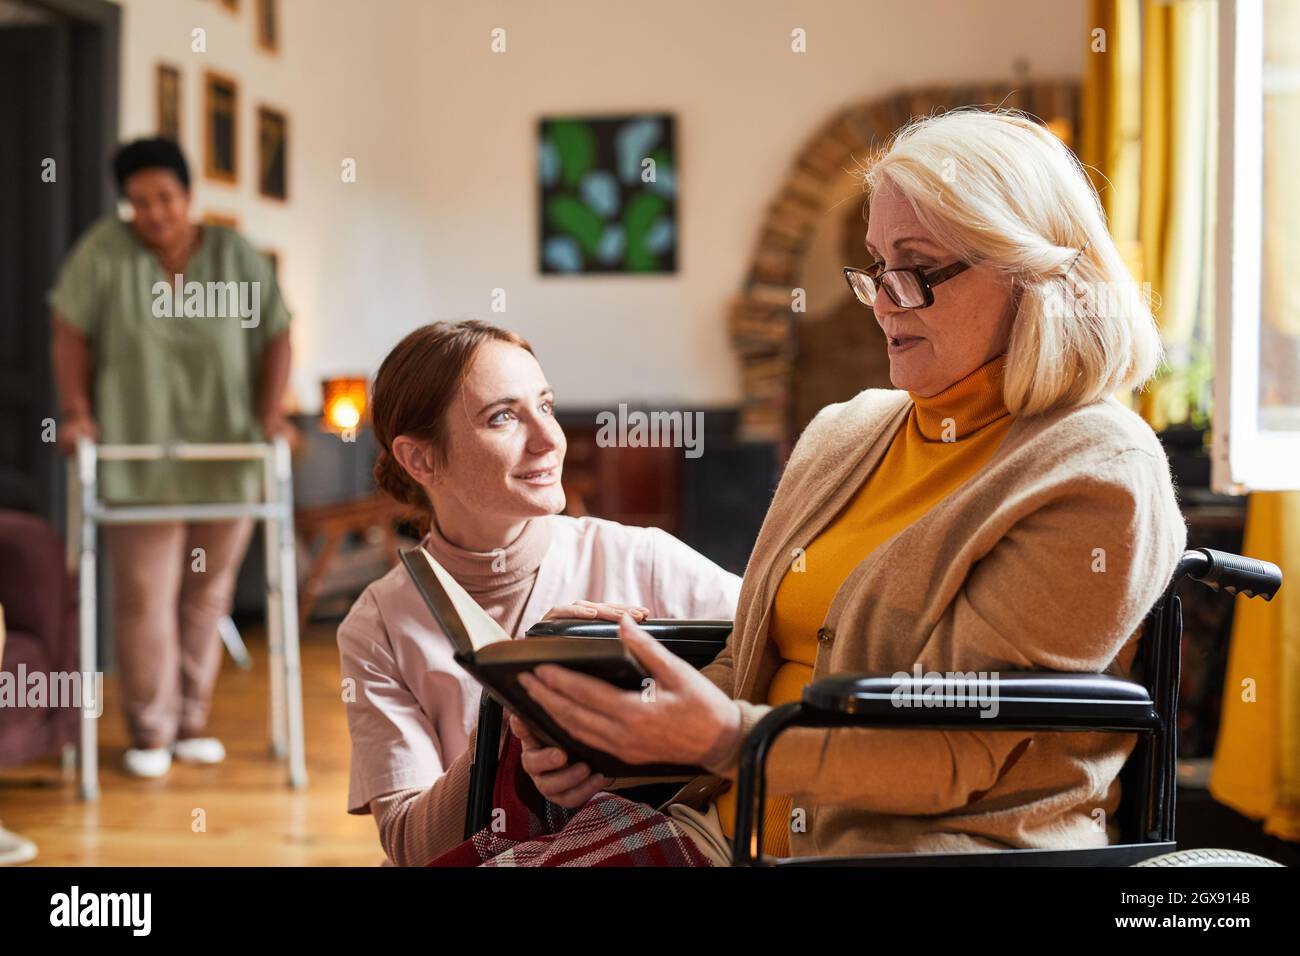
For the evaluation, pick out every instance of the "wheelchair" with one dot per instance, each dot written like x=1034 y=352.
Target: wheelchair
x=1030 y=700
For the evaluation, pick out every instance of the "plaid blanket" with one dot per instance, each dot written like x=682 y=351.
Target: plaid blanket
x=608 y=830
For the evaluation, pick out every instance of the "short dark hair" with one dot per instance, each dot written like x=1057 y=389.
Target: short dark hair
x=156 y=153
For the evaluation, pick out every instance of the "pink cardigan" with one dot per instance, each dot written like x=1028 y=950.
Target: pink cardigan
x=411 y=708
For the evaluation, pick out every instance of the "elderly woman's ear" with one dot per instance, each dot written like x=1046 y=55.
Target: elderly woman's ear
x=1017 y=293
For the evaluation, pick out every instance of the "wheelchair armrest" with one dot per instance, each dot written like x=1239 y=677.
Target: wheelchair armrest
x=1024 y=700
x=695 y=641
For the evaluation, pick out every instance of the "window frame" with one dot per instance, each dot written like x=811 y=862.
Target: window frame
x=1244 y=457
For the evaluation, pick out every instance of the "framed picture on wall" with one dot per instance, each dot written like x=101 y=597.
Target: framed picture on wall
x=267 y=24
x=220 y=127
x=272 y=153
x=607 y=194
x=169 y=102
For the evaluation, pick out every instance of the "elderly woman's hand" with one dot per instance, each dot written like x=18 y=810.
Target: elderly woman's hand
x=678 y=717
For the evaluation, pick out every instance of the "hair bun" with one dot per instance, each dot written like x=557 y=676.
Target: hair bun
x=393 y=480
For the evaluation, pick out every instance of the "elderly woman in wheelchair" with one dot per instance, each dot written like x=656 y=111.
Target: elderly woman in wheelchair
x=999 y=511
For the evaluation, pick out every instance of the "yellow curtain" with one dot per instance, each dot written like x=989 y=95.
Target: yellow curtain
x=1178 y=96
x=1111 y=119
x=1176 y=193
x=1257 y=757
x=1147 y=135
x=1257 y=760
x=1110 y=138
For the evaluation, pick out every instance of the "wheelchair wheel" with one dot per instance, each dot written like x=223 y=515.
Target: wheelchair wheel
x=1207 y=857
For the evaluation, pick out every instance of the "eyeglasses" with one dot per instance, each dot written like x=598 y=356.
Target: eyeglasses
x=908 y=288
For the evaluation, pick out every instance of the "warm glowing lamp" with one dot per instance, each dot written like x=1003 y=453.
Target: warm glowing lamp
x=343 y=403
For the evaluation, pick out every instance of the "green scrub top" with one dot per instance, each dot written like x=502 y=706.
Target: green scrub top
x=168 y=370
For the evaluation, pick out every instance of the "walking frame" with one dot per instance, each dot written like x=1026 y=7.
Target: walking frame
x=86 y=512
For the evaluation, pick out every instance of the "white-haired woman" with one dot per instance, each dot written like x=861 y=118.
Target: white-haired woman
x=999 y=511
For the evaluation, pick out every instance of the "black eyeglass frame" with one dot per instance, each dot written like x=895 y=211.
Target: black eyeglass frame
x=926 y=280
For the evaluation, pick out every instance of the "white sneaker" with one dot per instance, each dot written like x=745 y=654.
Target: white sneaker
x=15 y=849
x=153 y=762
x=200 y=750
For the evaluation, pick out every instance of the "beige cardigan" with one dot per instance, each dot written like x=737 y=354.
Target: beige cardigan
x=1005 y=574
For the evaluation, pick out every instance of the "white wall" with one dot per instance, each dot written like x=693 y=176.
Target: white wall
x=443 y=131
x=353 y=260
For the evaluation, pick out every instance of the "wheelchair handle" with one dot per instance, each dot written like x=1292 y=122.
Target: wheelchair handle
x=1233 y=573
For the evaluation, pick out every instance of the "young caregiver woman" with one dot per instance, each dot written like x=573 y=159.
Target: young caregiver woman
x=463 y=415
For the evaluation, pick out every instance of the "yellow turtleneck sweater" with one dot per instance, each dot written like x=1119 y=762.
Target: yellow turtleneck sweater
x=944 y=440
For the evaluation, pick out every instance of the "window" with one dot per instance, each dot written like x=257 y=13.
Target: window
x=1257 y=329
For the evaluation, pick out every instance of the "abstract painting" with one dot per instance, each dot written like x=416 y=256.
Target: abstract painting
x=607 y=195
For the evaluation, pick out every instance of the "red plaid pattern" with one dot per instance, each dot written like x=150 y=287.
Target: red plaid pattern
x=608 y=830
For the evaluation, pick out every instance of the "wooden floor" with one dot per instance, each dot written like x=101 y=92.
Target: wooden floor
x=252 y=817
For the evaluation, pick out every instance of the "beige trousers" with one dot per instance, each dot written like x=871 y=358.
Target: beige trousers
x=704 y=829
x=172 y=584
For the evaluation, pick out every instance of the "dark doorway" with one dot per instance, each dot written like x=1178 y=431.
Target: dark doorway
x=58 y=113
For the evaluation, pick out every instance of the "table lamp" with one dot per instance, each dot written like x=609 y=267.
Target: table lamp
x=343 y=405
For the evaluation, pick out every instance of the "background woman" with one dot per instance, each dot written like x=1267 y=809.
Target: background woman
x=131 y=370
x=999 y=512
x=465 y=420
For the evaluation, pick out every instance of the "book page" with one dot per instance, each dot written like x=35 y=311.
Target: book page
x=480 y=626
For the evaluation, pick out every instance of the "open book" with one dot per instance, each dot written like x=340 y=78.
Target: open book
x=495 y=660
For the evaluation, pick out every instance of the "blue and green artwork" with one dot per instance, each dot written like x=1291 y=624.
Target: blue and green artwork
x=607 y=192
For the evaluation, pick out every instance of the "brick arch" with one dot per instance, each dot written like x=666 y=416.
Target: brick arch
x=763 y=324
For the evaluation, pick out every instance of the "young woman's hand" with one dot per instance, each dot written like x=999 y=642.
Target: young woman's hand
x=561 y=784
x=595 y=611
x=678 y=716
